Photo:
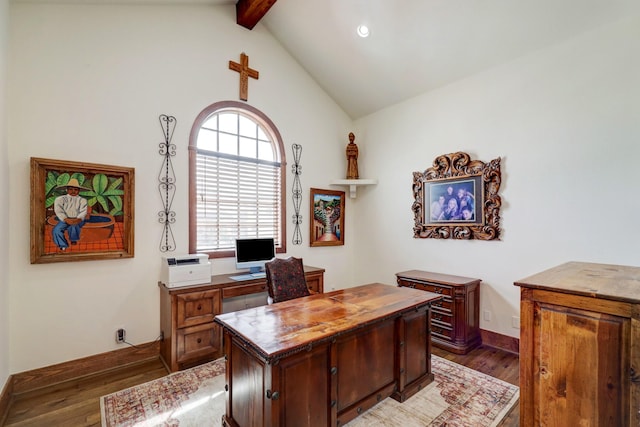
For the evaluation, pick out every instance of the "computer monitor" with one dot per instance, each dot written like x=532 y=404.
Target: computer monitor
x=254 y=253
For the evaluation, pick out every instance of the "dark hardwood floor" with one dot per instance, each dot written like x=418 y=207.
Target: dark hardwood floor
x=77 y=402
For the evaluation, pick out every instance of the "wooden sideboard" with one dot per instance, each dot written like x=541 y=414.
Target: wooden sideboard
x=455 y=321
x=186 y=316
x=580 y=346
x=324 y=359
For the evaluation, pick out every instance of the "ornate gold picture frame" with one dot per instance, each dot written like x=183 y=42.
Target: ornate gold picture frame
x=80 y=211
x=457 y=198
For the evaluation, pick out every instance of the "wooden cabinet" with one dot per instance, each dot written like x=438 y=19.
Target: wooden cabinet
x=455 y=320
x=186 y=316
x=580 y=346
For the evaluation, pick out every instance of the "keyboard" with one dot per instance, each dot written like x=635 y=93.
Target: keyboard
x=249 y=276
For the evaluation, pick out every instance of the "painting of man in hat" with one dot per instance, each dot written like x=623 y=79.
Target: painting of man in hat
x=71 y=211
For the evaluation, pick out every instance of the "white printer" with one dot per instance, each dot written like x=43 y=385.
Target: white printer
x=185 y=270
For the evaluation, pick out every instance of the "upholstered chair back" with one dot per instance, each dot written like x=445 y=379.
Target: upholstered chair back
x=285 y=279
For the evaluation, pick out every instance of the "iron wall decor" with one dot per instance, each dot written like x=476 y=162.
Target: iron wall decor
x=457 y=198
x=80 y=211
x=167 y=185
x=296 y=193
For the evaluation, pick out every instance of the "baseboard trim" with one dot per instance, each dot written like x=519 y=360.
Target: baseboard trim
x=503 y=342
x=55 y=374
x=5 y=399
x=31 y=380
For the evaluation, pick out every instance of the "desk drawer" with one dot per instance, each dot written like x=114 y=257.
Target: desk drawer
x=197 y=342
x=426 y=286
x=196 y=308
x=237 y=291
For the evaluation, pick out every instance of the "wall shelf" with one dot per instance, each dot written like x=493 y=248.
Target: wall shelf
x=353 y=184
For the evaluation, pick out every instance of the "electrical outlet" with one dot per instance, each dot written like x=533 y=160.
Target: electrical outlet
x=121 y=335
x=487 y=316
x=515 y=322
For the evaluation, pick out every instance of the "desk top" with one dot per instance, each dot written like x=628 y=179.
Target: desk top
x=445 y=279
x=279 y=329
x=221 y=281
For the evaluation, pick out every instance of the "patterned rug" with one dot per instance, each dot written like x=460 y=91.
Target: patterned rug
x=458 y=397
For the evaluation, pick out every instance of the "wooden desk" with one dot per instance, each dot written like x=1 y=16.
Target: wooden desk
x=322 y=360
x=186 y=315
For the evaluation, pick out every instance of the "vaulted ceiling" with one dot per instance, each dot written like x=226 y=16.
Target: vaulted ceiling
x=418 y=45
x=415 y=46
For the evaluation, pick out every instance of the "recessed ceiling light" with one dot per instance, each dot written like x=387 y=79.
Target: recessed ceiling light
x=363 y=31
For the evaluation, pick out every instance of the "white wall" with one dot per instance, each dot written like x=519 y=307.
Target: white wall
x=4 y=202
x=87 y=83
x=564 y=120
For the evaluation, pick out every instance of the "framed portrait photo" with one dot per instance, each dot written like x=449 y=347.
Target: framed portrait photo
x=457 y=198
x=80 y=211
x=454 y=201
x=327 y=213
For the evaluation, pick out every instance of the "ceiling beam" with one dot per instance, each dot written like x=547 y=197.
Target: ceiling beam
x=249 y=12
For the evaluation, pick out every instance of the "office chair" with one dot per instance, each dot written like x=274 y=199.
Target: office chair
x=285 y=279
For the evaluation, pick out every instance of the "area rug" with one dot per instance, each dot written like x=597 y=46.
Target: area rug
x=458 y=397
x=189 y=398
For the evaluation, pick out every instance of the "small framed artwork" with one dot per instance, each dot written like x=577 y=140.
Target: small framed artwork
x=80 y=211
x=457 y=198
x=327 y=213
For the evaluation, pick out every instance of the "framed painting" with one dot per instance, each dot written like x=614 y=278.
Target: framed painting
x=80 y=211
x=457 y=198
x=327 y=213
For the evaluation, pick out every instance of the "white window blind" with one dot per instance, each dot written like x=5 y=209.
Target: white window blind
x=236 y=197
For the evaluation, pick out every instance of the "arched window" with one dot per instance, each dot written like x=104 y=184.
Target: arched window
x=236 y=179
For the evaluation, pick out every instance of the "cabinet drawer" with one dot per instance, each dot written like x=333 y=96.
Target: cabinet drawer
x=196 y=308
x=443 y=319
x=197 y=342
x=441 y=332
x=426 y=286
x=443 y=306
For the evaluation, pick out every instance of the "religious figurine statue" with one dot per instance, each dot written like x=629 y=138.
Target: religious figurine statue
x=352 y=158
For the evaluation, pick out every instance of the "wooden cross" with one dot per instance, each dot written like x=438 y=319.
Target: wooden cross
x=245 y=73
